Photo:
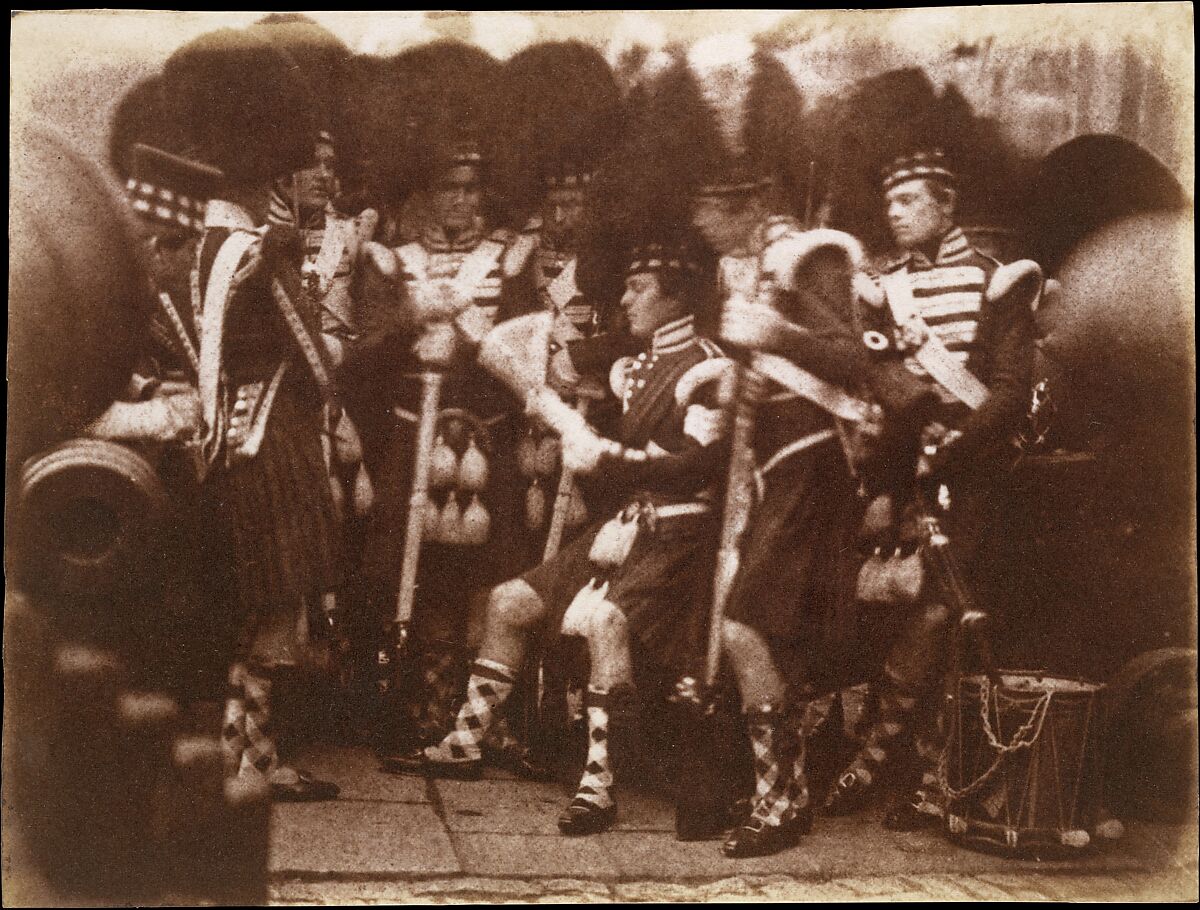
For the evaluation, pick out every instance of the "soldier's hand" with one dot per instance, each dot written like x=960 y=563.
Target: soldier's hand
x=747 y=324
x=583 y=450
x=183 y=414
x=561 y=373
x=551 y=410
x=705 y=425
x=437 y=345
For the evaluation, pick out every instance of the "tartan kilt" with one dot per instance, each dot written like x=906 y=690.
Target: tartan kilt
x=664 y=587
x=281 y=514
x=796 y=584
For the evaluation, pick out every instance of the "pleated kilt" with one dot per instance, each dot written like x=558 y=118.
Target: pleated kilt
x=281 y=515
x=664 y=587
x=798 y=573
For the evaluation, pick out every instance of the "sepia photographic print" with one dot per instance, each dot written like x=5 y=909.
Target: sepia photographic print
x=601 y=456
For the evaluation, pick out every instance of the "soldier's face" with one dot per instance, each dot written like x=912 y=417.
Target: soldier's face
x=171 y=254
x=457 y=198
x=316 y=185
x=725 y=222
x=562 y=215
x=916 y=216
x=646 y=306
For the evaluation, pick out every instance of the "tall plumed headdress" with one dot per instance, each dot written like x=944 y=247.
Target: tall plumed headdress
x=416 y=105
x=724 y=117
x=898 y=123
x=148 y=150
x=559 y=117
x=326 y=64
x=243 y=103
x=729 y=118
x=142 y=117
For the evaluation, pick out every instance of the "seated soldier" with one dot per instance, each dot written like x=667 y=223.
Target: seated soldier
x=636 y=578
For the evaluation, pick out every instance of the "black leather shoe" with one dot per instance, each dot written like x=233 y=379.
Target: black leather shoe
x=906 y=815
x=304 y=789
x=582 y=817
x=848 y=794
x=756 y=838
x=417 y=762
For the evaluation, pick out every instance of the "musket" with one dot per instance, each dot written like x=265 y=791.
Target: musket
x=418 y=504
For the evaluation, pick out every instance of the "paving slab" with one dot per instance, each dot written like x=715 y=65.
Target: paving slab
x=350 y=837
x=535 y=820
x=659 y=856
x=644 y=812
x=522 y=855
x=356 y=771
x=1163 y=844
x=483 y=794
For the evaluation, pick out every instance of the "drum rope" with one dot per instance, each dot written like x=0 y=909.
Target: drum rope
x=1036 y=721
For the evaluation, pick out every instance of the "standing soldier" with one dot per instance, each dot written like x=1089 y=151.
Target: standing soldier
x=332 y=242
x=637 y=579
x=562 y=118
x=966 y=324
x=263 y=373
x=451 y=290
x=785 y=614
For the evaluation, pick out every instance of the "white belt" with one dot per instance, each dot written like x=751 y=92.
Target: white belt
x=683 y=508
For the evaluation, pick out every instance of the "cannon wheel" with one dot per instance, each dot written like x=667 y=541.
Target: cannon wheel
x=1152 y=729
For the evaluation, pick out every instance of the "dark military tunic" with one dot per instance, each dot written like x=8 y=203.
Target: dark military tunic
x=664 y=584
x=278 y=503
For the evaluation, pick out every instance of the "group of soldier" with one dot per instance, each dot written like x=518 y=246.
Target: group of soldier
x=714 y=413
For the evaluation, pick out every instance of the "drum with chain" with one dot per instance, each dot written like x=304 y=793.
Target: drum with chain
x=1022 y=769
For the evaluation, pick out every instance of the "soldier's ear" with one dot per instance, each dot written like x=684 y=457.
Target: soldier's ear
x=950 y=201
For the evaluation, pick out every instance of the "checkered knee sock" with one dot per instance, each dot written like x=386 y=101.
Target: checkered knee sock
x=798 y=789
x=778 y=750
x=597 y=780
x=259 y=756
x=896 y=705
x=489 y=686
x=233 y=724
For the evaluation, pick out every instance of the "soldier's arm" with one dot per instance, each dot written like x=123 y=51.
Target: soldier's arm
x=1012 y=294
x=683 y=473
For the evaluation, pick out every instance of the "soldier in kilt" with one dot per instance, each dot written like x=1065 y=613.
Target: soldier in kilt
x=263 y=375
x=452 y=289
x=792 y=629
x=639 y=579
x=965 y=324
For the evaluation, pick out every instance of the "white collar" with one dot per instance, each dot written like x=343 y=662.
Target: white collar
x=674 y=336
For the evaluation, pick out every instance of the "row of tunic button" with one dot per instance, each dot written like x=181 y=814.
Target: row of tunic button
x=632 y=383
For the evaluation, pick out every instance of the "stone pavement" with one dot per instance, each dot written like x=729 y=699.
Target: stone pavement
x=396 y=839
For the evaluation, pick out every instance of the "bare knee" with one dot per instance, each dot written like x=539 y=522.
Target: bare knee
x=515 y=605
x=739 y=639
